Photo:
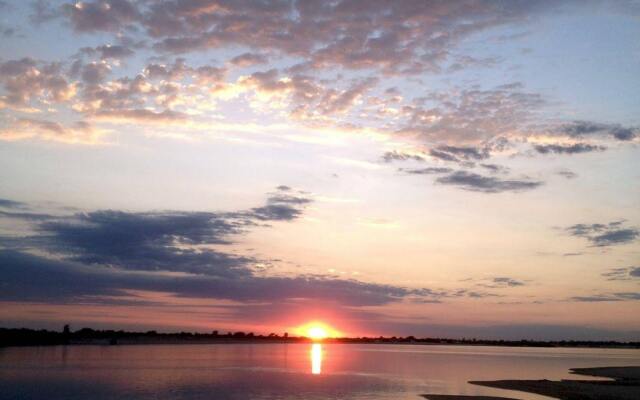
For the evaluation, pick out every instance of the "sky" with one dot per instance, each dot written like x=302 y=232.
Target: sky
x=430 y=168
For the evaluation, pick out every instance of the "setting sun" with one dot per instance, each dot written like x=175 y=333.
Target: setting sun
x=317 y=331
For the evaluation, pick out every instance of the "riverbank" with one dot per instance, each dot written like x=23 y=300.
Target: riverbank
x=624 y=385
x=84 y=336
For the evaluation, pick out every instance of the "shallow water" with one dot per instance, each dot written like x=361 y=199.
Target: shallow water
x=282 y=371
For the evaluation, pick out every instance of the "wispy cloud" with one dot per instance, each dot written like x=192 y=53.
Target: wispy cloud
x=622 y=274
x=575 y=148
x=589 y=128
x=486 y=184
x=621 y=296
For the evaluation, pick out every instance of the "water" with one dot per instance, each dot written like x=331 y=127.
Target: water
x=282 y=371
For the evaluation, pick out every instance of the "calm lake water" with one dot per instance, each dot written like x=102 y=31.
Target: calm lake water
x=281 y=371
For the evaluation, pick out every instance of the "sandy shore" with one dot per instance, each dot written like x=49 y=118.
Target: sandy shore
x=460 y=397
x=624 y=386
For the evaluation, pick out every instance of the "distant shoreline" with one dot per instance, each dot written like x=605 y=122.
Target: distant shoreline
x=12 y=337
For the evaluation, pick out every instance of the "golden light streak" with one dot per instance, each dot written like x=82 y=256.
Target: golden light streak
x=316 y=359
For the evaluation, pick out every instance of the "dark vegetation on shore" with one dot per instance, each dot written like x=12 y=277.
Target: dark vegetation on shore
x=31 y=337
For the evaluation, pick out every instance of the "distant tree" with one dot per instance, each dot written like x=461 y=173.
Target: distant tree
x=286 y=335
x=66 y=330
x=214 y=333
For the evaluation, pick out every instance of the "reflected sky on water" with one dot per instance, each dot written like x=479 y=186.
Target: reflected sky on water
x=282 y=371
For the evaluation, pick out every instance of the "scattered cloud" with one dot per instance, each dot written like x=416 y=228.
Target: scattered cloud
x=506 y=282
x=486 y=184
x=395 y=155
x=249 y=59
x=426 y=171
x=407 y=37
x=454 y=153
x=568 y=174
x=622 y=274
x=498 y=282
x=603 y=235
x=621 y=296
x=495 y=168
x=588 y=128
x=25 y=128
x=575 y=148
x=108 y=52
x=474 y=115
x=27 y=79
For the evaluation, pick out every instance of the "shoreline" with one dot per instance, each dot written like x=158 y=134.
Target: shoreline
x=624 y=385
x=11 y=337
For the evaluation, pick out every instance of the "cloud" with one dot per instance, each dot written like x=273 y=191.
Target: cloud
x=158 y=241
x=565 y=173
x=28 y=278
x=95 y=72
x=622 y=274
x=506 y=282
x=587 y=128
x=486 y=184
x=140 y=115
x=463 y=62
x=441 y=155
x=6 y=203
x=395 y=155
x=281 y=206
x=101 y=15
x=621 y=296
x=603 y=235
x=498 y=282
x=308 y=99
x=472 y=115
x=406 y=37
x=106 y=253
x=80 y=132
x=310 y=40
x=575 y=148
x=466 y=153
x=495 y=168
x=43 y=11
x=108 y=52
x=27 y=79
x=427 y=171
x=249 y=59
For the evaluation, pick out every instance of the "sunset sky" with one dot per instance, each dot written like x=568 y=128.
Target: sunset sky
x=430 y=168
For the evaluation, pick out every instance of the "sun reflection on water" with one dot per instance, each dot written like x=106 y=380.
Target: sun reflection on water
x=316 y=358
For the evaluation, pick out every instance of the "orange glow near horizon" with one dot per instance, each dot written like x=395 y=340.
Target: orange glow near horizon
x=317 y=331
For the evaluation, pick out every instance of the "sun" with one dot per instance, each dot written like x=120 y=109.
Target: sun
x=317 y=331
